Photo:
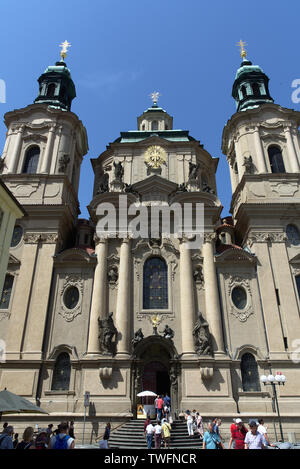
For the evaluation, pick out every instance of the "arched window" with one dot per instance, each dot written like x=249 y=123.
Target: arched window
x=6 y=292
x=61 y=373
x=293 y=235
x=256 y=89
x=155 y=284
x=276 y=160
x=154 y=125
x=31 y=160
x=51 y=90
x=250 y=378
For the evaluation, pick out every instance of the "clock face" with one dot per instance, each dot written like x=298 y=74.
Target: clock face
x=17 y=236
x=155 y=156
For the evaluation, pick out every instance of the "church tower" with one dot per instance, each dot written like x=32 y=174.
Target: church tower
x=44 y=148
x=261 y=142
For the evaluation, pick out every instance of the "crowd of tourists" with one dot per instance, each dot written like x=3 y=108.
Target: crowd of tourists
x=42 y=438
x=256 y=437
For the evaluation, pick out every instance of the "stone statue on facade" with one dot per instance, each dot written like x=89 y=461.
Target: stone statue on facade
x=119 y=171
x=182 y=188
x=168 y=333
x=63 y=162
x=138 y=336
x=112 y=275
x=198 y=275
x=202 y=337
x=207 y=188
x=193 y=172
x=107 y=333
x=249 y=166
x=103 y=183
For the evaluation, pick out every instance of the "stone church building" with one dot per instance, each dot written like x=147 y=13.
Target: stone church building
x=118 y=315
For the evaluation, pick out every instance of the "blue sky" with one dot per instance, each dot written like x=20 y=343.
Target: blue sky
x=122 y=50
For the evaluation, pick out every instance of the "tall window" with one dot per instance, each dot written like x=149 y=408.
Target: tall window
x=51 y=90
x=298 y=285
x=293 y=235
x=154 y=125
x=244 y=91
x=256 y=89
x=250 y=378
x=276 y=160
x=31 y=160
x=155 y=284
x=6 y=292
x=61 y=373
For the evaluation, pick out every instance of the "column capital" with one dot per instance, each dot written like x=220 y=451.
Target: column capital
x=98 y=240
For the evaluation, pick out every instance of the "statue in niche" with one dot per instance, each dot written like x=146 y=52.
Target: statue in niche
x=202 y=338
x=107 y=332
x=119 y=171
x=63 y=162
x=193 y=172
x=248 y=163
x=103 y=183
x=138 y=336
x=168 y=333
x=112 y=274
x=198 y=274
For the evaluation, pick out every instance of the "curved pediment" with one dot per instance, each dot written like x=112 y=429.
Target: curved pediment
x=76 y=255
x=153 y=340
x=234 y=255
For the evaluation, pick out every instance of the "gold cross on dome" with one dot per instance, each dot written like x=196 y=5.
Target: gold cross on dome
x=154 y=96
x=241 y=44
x=64 y=49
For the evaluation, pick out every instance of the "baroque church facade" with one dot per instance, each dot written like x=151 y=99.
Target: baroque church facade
x=115 y=316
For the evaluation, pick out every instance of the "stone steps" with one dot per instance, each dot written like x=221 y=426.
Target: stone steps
x=131 y=436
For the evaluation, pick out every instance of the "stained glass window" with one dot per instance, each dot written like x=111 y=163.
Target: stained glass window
x=71 y=297
x=61 y=373
x=6 y=292
x=31 y=160
x=298 y=285
x=155 y=285
x=250 y=378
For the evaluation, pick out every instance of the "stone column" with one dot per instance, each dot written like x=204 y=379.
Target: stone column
x=12 y=164
x=212 y=302
x=48 y=151
x=187 y=303
x=291 y=150
x=260 y=156
x=99 y=306
x=123 y=299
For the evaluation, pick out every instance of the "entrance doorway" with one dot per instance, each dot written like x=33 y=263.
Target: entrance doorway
x=156 y=378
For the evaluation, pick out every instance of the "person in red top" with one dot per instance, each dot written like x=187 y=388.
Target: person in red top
x=160 y=406
x=238 y=433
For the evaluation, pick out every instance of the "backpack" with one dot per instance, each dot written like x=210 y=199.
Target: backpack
x=61 y=443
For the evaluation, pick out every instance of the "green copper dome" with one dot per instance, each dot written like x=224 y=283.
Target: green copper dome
x=250 y=88
x=56 y=87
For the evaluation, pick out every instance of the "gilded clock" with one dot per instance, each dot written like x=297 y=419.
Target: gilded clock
x=155 y=156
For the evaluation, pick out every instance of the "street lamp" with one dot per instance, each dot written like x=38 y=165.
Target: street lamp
x=277 y=380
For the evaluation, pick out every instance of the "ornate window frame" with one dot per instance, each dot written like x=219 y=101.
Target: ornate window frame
x=5 y=313
x=71 y=280
x=233 y=281
x=50 y=363
x=170 y=255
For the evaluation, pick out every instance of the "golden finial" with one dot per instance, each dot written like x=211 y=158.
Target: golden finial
x=241 y=44
x=64 y=49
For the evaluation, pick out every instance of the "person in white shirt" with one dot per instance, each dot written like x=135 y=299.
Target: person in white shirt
x=189 y=422
x=263 y=430
x=157 y=435
x=149 y=435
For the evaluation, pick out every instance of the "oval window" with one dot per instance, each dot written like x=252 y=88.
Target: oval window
x=17 y=236
x=239 y=297
x=71 y=297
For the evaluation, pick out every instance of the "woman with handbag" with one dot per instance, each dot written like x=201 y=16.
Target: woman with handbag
x=211 y=440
